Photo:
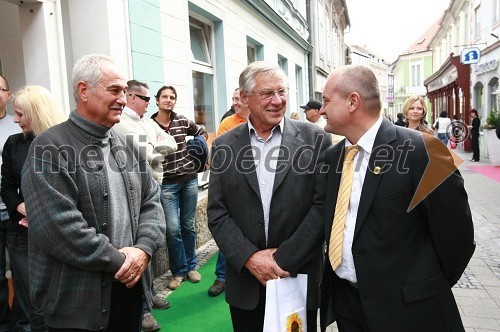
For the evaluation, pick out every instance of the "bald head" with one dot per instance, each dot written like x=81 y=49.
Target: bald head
x=360 y=79
x=351 y=101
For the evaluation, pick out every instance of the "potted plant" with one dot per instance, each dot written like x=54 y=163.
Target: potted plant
x=492 y=141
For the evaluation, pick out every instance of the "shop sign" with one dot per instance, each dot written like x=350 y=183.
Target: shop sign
x=470 y=55
x=443 y=81
x=486 y=67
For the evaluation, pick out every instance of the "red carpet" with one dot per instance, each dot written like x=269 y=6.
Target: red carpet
x=492 y=172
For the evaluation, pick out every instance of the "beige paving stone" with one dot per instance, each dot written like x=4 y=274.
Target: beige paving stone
x=481 y=323
x=470 y=293
x=482 y=312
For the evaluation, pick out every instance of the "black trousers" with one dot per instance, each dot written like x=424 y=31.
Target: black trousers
x=475 y=146
x=348 y=311
x=253 y=320
x=126 y=310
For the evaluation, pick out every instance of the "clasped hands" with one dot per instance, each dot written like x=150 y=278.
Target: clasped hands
x=136 y=262
x=262 y=266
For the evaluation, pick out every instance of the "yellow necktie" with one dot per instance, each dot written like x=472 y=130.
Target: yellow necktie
x=344 y=195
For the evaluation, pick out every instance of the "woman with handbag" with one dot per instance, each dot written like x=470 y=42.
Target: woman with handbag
x=442 y=125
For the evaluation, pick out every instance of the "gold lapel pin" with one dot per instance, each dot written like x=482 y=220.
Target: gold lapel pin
x=376 y=170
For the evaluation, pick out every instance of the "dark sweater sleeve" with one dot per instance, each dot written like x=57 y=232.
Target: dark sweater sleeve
x=10 y=182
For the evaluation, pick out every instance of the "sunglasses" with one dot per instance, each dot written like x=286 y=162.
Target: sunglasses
x=146 y=99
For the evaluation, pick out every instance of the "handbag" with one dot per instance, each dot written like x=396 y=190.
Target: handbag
x=286 y=304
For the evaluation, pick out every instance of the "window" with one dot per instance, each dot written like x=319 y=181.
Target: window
x=283 y=63
x=251 y=54
x=477 y=25
x=200 y=49
x=203 y=92
x=496 y=12
x=299 y=83
x=255 y=50
x=416 y=75
x=201 y=36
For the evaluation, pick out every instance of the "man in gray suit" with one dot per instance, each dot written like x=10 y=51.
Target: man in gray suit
x=266 y=197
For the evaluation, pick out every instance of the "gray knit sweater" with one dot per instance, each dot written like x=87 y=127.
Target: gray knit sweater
x=72 y=258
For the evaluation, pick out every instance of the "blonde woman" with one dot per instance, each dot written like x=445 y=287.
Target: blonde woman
x=35 y=110
x=415 y=110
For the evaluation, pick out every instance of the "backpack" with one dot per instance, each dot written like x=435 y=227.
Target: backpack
x=197 y=149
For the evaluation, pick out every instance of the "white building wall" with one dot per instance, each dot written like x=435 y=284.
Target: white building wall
x=51 y=35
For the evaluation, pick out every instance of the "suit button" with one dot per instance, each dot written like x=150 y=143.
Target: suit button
x=260 y=223
x=104 y=312
x=104 y=285
x=104 y=225
x=101 y=327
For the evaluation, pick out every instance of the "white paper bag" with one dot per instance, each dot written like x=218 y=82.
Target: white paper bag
x=286 y=305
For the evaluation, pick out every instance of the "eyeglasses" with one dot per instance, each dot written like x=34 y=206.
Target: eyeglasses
x=146 y=99
x=6 y=90
x=269 y=94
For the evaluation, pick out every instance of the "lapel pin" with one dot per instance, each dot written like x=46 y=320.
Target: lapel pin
x=376 y=170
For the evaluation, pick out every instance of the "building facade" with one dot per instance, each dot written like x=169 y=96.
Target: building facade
x=198 y=46
x=411 y=69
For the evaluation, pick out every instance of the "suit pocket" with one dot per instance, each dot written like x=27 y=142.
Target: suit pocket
x=425 y=289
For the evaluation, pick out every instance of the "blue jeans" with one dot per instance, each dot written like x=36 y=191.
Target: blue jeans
x=179 y=202
x=220 y=267
x=443 y=137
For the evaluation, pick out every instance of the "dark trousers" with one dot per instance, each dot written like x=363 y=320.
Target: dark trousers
x=475 y=146
x=126 y=310
x=348 y=311
x=253 y=320
x=4 y=287
x=17 y=243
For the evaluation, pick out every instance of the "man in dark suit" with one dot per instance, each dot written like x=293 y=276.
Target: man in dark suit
x=398 y=260
x=265 y=199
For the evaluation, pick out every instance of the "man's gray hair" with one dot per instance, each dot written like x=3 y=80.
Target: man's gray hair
x=247 y=76
x=88 y=69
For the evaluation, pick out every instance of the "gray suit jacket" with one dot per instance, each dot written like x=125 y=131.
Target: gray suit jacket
x=235 y=215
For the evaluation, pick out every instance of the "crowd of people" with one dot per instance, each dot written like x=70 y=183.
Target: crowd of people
x=87 y=199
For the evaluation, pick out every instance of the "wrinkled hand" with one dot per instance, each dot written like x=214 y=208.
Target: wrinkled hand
x=24 y=222
x=136 y=261
x=21 y=208
x=262 y=266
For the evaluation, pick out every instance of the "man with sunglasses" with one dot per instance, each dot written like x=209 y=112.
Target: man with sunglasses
x=157 y=144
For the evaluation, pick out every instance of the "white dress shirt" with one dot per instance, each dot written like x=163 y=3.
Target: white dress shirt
x=265 y=154
x=346 y=269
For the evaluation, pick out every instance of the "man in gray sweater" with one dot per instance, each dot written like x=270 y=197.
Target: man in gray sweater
x=94 y=210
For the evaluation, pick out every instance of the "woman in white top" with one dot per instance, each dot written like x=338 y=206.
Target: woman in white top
x=443 y=126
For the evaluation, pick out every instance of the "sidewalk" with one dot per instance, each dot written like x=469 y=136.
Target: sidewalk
x=478 y=291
